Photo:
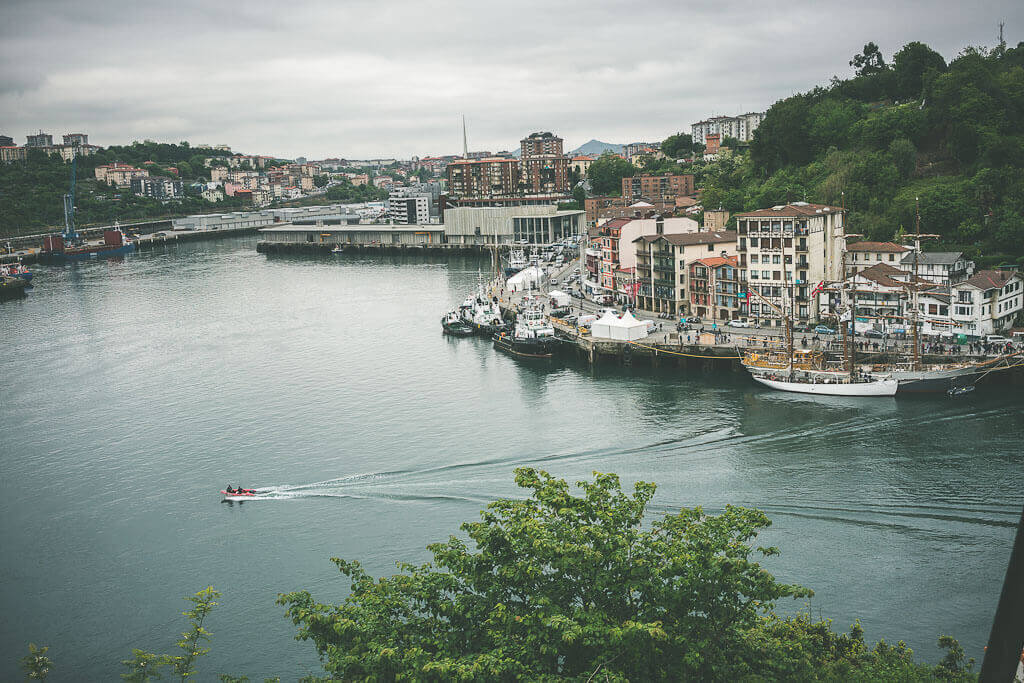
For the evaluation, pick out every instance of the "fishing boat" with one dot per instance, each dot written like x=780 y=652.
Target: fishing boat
x=481 y=312
x=71 y=246
x=453 y=324
x=516 y=262
x=12 y=287
x=531 y=337
x=17 y=270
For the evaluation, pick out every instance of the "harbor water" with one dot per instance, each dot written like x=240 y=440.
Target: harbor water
x=134 y=389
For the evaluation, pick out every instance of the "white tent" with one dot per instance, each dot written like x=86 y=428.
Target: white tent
x=527 y=278
x=603 y=327
x=626 y=328
x=634 y=329
x=559 y=298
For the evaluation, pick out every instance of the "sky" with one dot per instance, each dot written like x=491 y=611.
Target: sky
x=361 y=79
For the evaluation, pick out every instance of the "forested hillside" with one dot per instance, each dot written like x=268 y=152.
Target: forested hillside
x=31 y=191
x=948 y=134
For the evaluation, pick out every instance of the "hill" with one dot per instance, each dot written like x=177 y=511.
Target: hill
x=596 y=148
x=917 y=132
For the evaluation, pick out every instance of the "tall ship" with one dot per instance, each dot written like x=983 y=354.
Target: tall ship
x=808 y=371
x=70 y=246
x=532 y=336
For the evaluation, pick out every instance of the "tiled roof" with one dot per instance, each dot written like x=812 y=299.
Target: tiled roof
x=792 y=210
x=686 y=239
x=877 y=246
x=935 y=258
x=717 y=261
x=990 y=279
x=883 y=274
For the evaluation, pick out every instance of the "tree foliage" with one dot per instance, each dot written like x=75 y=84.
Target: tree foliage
x=146 y=666
x=677 y=146
x=36 y=664
x=607 y=172
x=919 y=127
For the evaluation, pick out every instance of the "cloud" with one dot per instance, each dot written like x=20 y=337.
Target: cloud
x=359 y=78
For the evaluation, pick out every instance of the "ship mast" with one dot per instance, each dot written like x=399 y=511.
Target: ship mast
x=917 y=235
x=70 y=235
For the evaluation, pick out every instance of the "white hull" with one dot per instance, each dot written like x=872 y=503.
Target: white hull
x=882 y=387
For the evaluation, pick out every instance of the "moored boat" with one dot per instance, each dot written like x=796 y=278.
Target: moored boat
x=17 y=270
x=453 y=324
x=831 y=386
x=532 y=336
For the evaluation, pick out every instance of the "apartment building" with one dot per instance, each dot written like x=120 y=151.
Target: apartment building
x=39 y=140
x=408 y=206
x=537 y=144
x=941 y=267
x=118 y=174
x=492 y=177
x=741 y=127
x=156 y=187
x=544 y=174
x=662 y=187
x=713 y=288
x=988 y=302
x=862 y=255
x=784 y=252
x=662 y=266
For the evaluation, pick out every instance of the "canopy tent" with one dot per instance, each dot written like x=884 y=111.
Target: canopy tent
x=626 y=328
x=527 y=278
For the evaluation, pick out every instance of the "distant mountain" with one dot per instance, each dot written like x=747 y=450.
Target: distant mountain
x=596 y=147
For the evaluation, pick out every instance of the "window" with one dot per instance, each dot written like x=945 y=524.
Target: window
x=777 y=275
x=765 y=275
x=963 y=297
x=892 y=257
x=711 y=247
x=776 y=259
x=753 y=258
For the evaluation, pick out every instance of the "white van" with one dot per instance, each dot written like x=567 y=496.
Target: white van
x=995 y=339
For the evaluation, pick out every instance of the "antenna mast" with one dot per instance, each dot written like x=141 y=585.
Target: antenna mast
x=465 y=147
x=913 y=285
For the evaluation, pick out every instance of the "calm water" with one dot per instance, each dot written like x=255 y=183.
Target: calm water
x=132 y=391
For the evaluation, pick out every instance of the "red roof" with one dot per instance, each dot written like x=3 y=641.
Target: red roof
x=714 y=261
x=990 y=279
x=877 y=246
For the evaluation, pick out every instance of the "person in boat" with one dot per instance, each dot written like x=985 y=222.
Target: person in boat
x=229 y=489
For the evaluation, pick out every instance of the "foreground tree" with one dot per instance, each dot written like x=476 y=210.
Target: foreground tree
x=559 y=586
x=36 y=664
x=146 y=666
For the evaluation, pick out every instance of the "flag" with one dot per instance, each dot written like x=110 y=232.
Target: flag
x=819 y=289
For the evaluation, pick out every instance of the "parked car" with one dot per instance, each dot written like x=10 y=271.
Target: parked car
x=693 y=319
x=996 y=339
x=738 y=323
x=873 y=334
x=824 y=329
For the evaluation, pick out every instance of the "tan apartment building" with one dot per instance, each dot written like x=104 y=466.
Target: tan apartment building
x=784 y=252
x=662 y=266
x=713 y=289
x=862 y=255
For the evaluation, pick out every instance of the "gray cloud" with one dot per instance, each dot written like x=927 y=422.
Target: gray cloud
x=358 y=78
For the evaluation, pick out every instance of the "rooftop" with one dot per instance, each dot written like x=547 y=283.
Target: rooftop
x=877 y=246
x=990 y=279
x=933 y=258
x=795 y=210
x=686 y=239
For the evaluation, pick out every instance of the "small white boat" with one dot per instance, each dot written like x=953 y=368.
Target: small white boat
x=337 y=250
x=876 y=387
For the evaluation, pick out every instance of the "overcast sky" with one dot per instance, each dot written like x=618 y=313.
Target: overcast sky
x=355 y=78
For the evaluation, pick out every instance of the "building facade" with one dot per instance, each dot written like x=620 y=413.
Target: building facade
x=741 y=127
x=784 y=252
x=39 y=140
x=988 y=302
x=861 y=255
x=483 y=178
x=663 y=187
x=541 y=224
x=663 y=267
x=156 y=187
x=713 y=288
x=941 y=267
x=537 y=144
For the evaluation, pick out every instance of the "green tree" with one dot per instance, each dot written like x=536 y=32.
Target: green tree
x=607 y=172
x=904 y=155
x=868 y=62
x=912 y=63
x=559 y=586
x=320 y=180
x=677 y=146
x=146 y=666
x=36 y=664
